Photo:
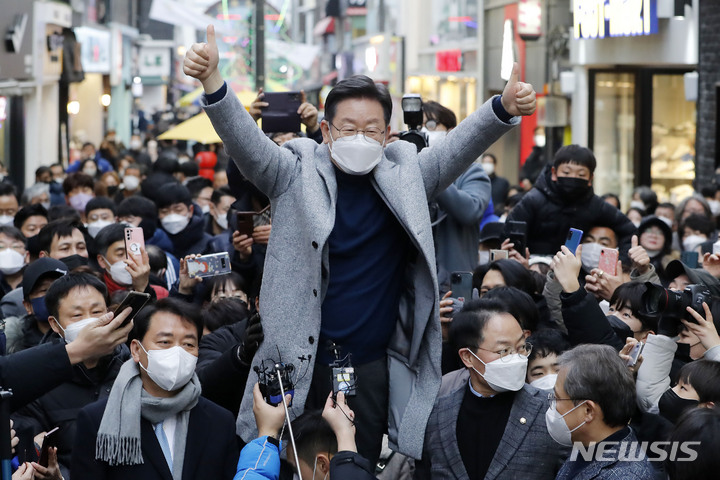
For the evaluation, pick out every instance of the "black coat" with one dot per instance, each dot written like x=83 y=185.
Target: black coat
x=549 y=217
x=586 y=322
x=211 y=450
x=193 y=239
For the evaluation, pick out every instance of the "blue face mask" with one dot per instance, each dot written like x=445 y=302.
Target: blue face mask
x=40 y=309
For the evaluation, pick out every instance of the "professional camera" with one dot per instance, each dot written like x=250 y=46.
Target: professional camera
x=413 y=117
x=269 y=379
x=660 y=301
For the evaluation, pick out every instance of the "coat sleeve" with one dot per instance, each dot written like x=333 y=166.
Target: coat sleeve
x=84 y=465
x=350 y=466
x=551 y=292
x=441 y=164
x=269 y=167
x=586 y=322
x=260 y=459
x=466 y=200
x=653 y=376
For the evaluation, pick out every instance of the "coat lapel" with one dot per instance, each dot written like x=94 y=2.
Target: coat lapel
x=449 y=408
x=152 y=453
x=197 y=439
x=523 y=414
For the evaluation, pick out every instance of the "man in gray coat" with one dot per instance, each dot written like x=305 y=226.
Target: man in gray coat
x=351 y=262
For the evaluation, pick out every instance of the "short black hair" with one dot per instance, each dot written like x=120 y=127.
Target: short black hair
x=313 y=435
x=546 y=342
x=137 y=206
x=666 y=205
x=61 y=228
x=577 y=155
x=698 y=222
x=514 y=274
x=172 y=193
x=630 y=295
x=42 y=169
x=489 y=155
x=704 y=376
x=440 y=114
x=157 y=257
x=466 y=329
x=167 y=162
x=34 y=210
x=7 y=189
x=219 y=193
x=63 y=285
x=187 y=311
x=605 y=196
x=701 y=426
x=13 y=232
x=518 y=304
x=195 y=185
x=107 y=236
x=76 y=180
x=225 y=311
x=97 y=203
x=189 y=169
x=358 y=86
x=217 y=284
x=63 y=212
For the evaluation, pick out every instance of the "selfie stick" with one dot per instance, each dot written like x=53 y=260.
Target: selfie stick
x=287 y=417
x=5 y=447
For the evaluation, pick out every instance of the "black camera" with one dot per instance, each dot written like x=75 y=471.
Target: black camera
x=269 y=381
x=413 y=117
x=343 y=374
x=658 y=301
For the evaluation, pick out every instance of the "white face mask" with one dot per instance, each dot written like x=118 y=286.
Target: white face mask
x=135 y=145
x=489 y=168
x=131 y=182
x=545 y=383
x=90 y=171
x=45 y=205
x=11 y=261
x=6 y=220
x=174 y=223
x=73 y=330
x=557 y=428
x=692 y=241
x=222 y=221
x=435 y=137
x=637 y=204
x=504 y=374
x=95 y=227
x=652 y=253
x=356 y=156
x=119 y=273
x=205 y=209
x=170 y=368
x=539 y=140
x=668 y=221
x=591 y=255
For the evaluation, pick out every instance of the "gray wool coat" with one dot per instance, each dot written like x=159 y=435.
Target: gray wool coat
x=300 y=181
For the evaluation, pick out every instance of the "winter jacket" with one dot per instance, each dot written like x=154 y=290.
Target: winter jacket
x=192 y=239
x=300 y=180
x=586 y=322
x=549 y=217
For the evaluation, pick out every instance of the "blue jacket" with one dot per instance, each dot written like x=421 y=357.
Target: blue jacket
x=259 y=459
x=102 y=164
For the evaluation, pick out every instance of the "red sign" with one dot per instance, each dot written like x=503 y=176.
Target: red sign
x=448 y=61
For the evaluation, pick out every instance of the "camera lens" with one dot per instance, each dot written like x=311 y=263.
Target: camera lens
x=654 y=300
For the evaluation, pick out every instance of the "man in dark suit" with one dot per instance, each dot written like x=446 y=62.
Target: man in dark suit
x=154 y=425
x=487 y=422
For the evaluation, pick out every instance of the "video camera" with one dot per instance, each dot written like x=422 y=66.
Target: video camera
x=413 y=117
x=658 y=301
x=269 y=379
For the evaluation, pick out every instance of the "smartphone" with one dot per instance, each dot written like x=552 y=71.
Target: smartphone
x=209 y=265
x=134 y=241
x=245 y=223
x=635 y=354
x=608 y=261
x=49 y=440
x=281 y=113
x=690 y=259
x=461 y=285
x=573 y=239
x=499 y=255
x=134 y=300
x=517 y=233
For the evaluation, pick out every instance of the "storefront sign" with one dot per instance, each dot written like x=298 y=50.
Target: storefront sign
x=154 y=61
x=356 y=8
x=448 y=61
x=529 y=19
x=95 y=49
x=614 y=18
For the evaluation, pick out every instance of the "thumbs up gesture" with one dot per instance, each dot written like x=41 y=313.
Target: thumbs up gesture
x=518 y=98
x=201 y=62
x=639 y=256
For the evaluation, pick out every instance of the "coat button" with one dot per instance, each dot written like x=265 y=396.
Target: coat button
x=315 y=292
x=311 y=340
x=314 y=245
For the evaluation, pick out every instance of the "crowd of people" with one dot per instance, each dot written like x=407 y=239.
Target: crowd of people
x=331 y=343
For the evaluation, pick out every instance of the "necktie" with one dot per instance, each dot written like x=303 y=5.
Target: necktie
x=164 y=445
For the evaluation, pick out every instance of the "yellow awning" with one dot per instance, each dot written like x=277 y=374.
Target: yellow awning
x=197 y=128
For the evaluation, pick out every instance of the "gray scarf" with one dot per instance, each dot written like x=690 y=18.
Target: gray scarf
x=118 y=438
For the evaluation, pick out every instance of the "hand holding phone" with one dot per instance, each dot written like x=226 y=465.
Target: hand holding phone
x=608 y=261
x=50 y=440
x=209 y=265
x=499 y=255
x=134 y=300
x=461 y=285
x=635 y=354
x=134 y=241
x=281 y=114
x=573 y=239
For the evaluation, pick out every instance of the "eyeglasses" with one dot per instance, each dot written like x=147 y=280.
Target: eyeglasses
x=370 y=133
x=522 y=350
x=553 y=400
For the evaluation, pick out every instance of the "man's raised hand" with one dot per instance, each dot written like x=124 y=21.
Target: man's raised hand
x=201 y=62
x=518 y=98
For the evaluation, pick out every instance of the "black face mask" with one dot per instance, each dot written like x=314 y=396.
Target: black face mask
x=74 y=261
x=621 y=329
x=112 y=190
x=148 y=226
x=572 y=188
x=672 y=405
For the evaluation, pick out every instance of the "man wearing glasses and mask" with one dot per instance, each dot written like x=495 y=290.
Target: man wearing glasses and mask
x=350 y=263
x=487 y=422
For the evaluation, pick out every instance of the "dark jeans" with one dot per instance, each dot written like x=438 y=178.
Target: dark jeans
x=370 y=404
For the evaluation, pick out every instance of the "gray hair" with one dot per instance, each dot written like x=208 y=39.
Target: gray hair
x=34 y=191
x=597 y=373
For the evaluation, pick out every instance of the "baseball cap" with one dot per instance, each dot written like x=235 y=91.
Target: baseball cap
x=41 y=267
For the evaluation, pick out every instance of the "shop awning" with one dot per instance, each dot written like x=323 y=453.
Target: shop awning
x=197 y=128
x=324 y=26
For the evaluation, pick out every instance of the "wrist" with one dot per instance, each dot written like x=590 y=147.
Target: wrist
x=268 y=432
x=75 y=353
x=570 y=286
x=312 y=129
x=213 y=82
x=346 y=442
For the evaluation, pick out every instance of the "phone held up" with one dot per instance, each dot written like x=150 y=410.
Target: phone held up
x=134 y=300
x=573 y=239
x=209 y=265
x=134 y=241
x=461 y=285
